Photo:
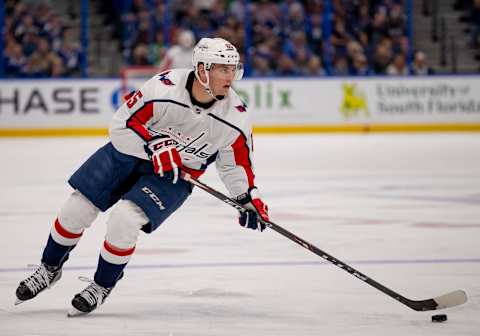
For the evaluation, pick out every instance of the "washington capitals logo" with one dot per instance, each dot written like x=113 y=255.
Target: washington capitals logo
x=241 y=108
x=163 y=77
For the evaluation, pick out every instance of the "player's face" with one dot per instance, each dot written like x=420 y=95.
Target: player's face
x=221 y=78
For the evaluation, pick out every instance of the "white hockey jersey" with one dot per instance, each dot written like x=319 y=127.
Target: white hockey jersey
x=177 y=57
x=219 y=131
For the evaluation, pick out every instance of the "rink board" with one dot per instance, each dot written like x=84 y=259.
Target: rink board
x=369 y=104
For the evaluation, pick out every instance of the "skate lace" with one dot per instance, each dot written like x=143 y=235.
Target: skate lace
x=94 y=293
x=39 y=279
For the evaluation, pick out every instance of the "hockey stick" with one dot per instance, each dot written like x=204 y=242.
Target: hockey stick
x=448 y=300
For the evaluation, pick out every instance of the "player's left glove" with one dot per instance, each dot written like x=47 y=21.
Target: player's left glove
x=256 y=210
x=165 y=158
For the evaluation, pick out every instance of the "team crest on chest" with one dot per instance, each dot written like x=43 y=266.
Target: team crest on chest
x=194 y=145
x=163 y=77
x=241 y=108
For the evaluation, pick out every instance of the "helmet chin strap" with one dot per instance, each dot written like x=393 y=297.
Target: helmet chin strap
x=206 y=85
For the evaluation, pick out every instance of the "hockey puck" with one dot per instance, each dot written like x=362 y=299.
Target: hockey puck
x=439 y=318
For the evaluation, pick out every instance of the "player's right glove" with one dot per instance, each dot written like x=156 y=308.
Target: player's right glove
x=165 y=158
x=256 y=210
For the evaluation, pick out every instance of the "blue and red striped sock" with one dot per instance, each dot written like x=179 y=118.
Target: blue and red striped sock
x=60 y=243
x=111 y=263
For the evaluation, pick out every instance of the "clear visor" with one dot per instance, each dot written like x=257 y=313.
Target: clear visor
x=238 y=71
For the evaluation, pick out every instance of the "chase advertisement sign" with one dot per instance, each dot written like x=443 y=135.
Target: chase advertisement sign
x=84 y=103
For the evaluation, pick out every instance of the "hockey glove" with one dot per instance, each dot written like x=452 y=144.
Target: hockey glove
x=256 y=210
x=165 y=158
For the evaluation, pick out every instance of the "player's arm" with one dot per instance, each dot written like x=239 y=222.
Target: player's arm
x=130 y=134
x=129 y=125
x=235 y=167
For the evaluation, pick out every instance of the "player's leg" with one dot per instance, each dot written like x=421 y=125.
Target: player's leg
x=150 y=201
x=76 y=214
x=123 y=227
x=99 y=183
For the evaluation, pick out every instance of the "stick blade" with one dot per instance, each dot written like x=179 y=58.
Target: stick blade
x=448 y=300
x=451 y=299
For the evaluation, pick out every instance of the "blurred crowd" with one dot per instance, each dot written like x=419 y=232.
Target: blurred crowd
x=471 y=16
x=286 y=38
x=275 y=38
x=37 y=43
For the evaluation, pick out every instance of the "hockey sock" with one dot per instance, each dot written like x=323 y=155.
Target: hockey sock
x=111 y=263
x=60 y=243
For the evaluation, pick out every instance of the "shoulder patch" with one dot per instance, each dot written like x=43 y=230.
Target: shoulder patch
x=241 y=108
x=163 y=77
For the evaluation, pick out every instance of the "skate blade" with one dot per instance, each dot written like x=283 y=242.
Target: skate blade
x=74 y=312
x=18 y=301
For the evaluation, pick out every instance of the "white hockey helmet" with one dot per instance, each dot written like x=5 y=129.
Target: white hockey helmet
x=211 y=51
x=186 y=39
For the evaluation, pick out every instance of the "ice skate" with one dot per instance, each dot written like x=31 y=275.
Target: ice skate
x=44 y=277
x=89 y=299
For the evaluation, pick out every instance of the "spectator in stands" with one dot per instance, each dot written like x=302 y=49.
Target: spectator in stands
x=340 y=36
x=203 y=26
x=396 y=26
x=29 y=42
x=237 y=10
x=294 y=18
x=353 y=48
x=301 y=61
x=360 y=24
x=315 y=67
x=399 y=66
x=218 y=15
x=401 y=45
x=360 y=66
x=297 y=48
x=70 y=56
x=157 y=49
x=382 y=57
x=35 y=37
x=286 y=67
x=56 y=69
x=266 y=34
x=44 y=15
x=261 y=67
x=128 y=34
x=340 y=66
x=378 y=28
x=54 y=30
x=263 y=58
x=14 y=61
x=314 y=33
x=144 y=32
x=287 y=36
x=140 y=55
x=204 y=4
x=420 y=65
x=25 y=26
x=295 y=28
x=43 y=62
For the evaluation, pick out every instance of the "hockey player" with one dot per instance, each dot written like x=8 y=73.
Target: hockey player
x=179 y=55
x=179 y=121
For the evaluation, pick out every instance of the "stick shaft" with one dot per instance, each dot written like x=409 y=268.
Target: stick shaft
x=416 y=305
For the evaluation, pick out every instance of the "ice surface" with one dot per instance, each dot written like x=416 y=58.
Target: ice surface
x=403 y=209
